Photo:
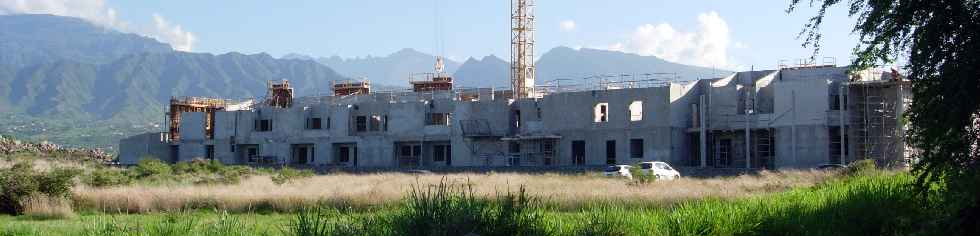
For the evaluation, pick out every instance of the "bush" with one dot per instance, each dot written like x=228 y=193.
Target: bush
x=22 y=181
x=234 y=174
x=152 y=167
x=286 y=174
x=107 y=177
x=57 y=182
x=198 y=167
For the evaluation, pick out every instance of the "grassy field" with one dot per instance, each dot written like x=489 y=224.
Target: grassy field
x=789 y=203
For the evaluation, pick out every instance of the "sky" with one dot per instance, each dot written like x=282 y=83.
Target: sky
x=735 y=35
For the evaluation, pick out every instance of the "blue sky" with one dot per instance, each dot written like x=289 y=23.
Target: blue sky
x=727 y=34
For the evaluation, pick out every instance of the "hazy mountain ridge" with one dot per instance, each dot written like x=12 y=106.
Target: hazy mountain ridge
x=489 y=71
x=391 y=70
x=568 y=63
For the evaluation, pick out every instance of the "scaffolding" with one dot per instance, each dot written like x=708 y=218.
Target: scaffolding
x=875 y=112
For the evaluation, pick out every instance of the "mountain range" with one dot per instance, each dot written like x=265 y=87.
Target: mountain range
x=76 y=72
x=88 y=72
x=492 y=71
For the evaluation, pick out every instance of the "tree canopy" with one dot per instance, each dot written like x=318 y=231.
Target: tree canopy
x=939 y=44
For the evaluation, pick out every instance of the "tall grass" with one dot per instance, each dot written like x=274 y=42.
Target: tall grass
x=454 y=209
x=363 y=191
x=41 y=207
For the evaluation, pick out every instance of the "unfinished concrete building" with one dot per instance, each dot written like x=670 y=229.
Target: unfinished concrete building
x=792 y=117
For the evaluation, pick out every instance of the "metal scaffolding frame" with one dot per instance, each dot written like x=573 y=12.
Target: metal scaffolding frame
x=875 y=120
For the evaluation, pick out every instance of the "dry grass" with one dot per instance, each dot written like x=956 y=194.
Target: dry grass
x=368 y=190
x=42 y=207
x=41 y=164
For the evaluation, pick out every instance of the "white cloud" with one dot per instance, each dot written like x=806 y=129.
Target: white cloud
x=179 y=39
x=97 y=12
x=707 y=46
x=567 y=25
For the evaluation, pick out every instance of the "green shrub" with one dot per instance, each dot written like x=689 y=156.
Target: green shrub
x=152 y=167
x=16 y=183
x=641 y=177
x=198 y=167
x=234 y=174
x=107 y=177
x=286 y=174
x=22 y=181
x=57 y=182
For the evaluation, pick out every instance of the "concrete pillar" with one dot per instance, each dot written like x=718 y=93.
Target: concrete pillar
x=843 y=114
x=748 y=129
x=793 y=128
x=702 y=108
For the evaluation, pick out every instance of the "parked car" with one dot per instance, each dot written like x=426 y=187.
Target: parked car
x=618 y=171
x=660 y=169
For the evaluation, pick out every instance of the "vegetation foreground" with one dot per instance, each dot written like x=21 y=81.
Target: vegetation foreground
x=851 y=202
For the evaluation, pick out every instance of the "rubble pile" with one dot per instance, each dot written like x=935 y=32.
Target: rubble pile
x=9 y=146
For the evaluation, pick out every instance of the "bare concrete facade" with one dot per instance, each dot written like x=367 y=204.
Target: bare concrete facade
x=794 y=118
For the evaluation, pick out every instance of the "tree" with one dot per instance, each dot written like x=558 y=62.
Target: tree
x=940 y=41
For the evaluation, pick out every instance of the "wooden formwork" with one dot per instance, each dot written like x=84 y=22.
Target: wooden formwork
x=193 y=104
x=350 y=87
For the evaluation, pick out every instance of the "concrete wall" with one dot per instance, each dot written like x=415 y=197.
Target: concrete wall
x=146 y=145
x=572 y=116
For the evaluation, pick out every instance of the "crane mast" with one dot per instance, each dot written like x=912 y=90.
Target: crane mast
x=522 y=48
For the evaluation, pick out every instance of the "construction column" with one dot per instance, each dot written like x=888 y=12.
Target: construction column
x=704 y=133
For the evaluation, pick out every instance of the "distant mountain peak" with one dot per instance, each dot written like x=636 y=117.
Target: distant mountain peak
x=408 y=52
x=388 y=70
x=297 y=56
x=492 y=57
